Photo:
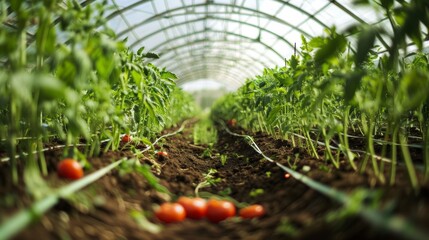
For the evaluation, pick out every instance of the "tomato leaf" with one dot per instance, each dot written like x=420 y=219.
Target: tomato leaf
x=365 y=43
x=353 y=82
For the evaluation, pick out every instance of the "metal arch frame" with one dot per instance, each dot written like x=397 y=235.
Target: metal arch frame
x=201 y=41
x=149 y=35
x=241 y=71
x=206 y=73
x=164 y=60
x=168 y=41
x=138 y=3
x=161 y=15
x=214 y=59
x=221 y=76
x=197 y=51
x=190 y=64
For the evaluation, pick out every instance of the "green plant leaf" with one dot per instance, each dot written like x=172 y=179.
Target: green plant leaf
x=365 y=43
x=353 y=82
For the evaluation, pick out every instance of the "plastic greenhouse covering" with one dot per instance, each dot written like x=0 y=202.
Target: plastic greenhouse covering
x=230 y=40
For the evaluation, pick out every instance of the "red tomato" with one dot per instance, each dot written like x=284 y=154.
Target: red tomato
x=126 y=138
x=195 y=208
x=219 y=210
x=69 y=168
x=162 y=154
x=287 y=175
x=170 y=213
x=252 y=211
x=232 y=122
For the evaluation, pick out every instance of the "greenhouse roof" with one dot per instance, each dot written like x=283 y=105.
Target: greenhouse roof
x=229 y=41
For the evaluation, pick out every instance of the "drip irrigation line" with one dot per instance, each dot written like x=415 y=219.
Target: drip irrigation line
x=380 y=141
x=20 y=220
x=5 y=159
x=377 y=157
x=394 y=224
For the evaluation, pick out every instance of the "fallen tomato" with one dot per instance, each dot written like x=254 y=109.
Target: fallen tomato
x=162 y=154
x=170 y=213
x=195 y=208
x=70 y=168
x=219 y=210
x=252 y=211
x=287 y=175
x=232 y=122
x=126 y=138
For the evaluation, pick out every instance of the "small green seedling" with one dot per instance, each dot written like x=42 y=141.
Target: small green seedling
x=223 y=159
x=256 y=192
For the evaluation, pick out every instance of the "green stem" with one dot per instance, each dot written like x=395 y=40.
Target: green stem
x=374 y=162
x=384 y=147
x=408 y=162
x=310 y=142
x=394 y=155
x=345 y=140
x=328 y=149
x=426 y=153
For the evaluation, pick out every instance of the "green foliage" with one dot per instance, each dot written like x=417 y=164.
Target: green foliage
x=204 y=132
x=333 y=87
x=223 y=159
x=209 y=179
x=76 y=82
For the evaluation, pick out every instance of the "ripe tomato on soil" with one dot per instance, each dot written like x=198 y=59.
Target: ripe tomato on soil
x=170 y=213
x=126 y=138
x=219 y=210
x=252 y=211
x=69 y=168
x=232 y=122
x=162 y=154
x=195 y=208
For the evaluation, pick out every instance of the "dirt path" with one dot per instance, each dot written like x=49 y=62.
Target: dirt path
x=294 y=211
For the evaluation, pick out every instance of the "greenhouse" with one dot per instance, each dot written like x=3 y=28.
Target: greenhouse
x=214 y=119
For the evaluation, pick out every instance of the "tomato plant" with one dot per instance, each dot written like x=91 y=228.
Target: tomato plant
x=170 y=213
x=162 y=154
x=252 y=211
x=219 y=210
x=70 y=168
x=196 y=208
x=126 y=138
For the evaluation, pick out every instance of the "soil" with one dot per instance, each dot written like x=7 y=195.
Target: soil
x=293 y=211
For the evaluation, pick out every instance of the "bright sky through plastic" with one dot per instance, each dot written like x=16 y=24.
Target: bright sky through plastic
x=228 y=41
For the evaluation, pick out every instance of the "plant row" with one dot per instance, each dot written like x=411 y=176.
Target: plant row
x=65 y=77
x=355 y=203
x=70 y=169
x=334 y=90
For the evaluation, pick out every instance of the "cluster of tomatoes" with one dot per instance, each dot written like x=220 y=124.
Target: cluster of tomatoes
x=214 y=210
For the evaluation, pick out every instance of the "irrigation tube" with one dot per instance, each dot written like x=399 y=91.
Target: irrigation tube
x=377 y=157
x=24 y=217
x=5 y=159
x=395 y=224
